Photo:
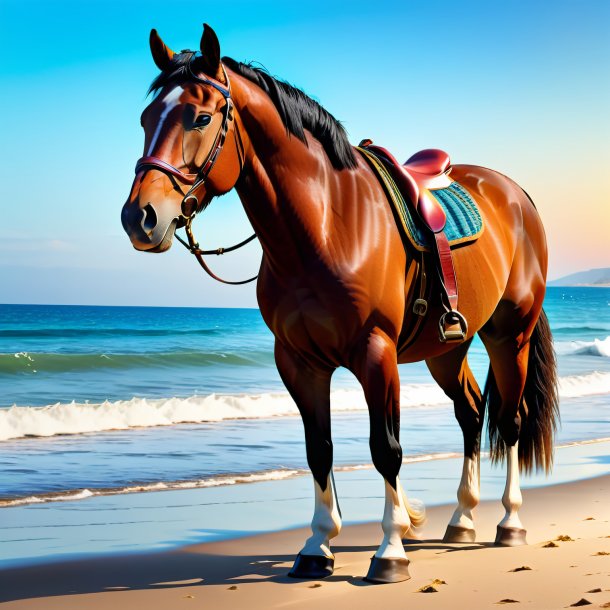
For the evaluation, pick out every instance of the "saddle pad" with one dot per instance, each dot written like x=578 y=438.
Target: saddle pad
x=464 y=222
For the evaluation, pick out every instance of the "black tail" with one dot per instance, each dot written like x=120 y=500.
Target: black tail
x=539 y=409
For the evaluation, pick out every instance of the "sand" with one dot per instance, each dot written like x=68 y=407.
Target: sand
x=250 y=573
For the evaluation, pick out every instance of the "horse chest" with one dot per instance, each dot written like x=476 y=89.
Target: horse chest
x=310 y=321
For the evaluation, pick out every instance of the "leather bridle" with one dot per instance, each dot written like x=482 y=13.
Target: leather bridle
x=191 y=205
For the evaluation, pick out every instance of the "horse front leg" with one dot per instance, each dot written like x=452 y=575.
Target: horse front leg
x=452 y=373
x=375 y=366
x=309 y=386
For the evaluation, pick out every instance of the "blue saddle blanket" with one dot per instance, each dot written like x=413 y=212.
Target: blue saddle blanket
x=464 y=222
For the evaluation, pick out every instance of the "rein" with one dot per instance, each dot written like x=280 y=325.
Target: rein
x=193 y=247
x=191 y=205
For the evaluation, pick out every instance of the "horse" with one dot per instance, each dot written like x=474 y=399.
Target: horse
x=336 y=284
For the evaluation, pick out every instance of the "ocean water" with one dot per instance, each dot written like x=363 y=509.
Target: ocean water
x=113 y=400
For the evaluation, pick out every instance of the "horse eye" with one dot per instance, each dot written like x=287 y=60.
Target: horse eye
x=202 y=120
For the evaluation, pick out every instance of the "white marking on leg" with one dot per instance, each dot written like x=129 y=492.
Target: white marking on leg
x=468 y=494
x=170 y=101
x=395 y=523
x=326 y=522
x=512 y=498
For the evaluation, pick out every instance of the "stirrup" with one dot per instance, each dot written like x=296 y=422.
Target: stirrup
x=450 y=335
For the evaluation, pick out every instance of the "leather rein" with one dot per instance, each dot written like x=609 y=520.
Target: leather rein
x=191 y=205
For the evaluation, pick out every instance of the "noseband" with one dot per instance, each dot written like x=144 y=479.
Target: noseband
x=190 y=203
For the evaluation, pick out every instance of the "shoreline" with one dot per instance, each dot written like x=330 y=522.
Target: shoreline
x=226 y=479
x=250 y=572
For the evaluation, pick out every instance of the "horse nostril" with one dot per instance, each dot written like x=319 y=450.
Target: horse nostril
x=149 y=222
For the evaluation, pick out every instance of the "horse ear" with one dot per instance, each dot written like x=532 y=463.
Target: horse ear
x=160 y=52
x=210 y=52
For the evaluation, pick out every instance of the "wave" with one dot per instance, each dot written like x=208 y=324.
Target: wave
x=81 y=418
x=578 y=330
x=597 y=347
x=215 y=481
x=575 y=386
x=226 y=479
x=63 y=333
x=25 y=362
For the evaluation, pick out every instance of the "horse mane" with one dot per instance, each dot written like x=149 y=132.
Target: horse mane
x=297 y=110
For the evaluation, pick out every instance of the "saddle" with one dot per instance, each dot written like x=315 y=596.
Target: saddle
x=428 y=170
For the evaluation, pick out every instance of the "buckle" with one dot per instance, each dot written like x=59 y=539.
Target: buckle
x=187 y=209
x=448 y=334
x=420 y=307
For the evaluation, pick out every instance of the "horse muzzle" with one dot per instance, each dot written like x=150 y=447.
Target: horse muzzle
x=150 y=227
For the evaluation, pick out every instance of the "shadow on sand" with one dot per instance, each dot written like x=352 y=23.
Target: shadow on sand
x=182 y=568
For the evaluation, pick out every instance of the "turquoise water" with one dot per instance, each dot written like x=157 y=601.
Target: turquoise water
x=92 y=397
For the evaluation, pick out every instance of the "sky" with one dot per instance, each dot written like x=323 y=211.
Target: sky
x=522 y=87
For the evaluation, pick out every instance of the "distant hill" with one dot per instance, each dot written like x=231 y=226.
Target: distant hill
x=593 y=277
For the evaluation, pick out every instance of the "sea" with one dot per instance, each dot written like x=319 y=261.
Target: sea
x=100 y=401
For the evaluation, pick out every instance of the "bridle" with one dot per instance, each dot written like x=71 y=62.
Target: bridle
x=191 y=205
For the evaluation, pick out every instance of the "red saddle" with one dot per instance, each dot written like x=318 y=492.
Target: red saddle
x=425 y=170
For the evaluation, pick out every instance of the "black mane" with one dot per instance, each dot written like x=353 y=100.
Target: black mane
x=296 y=109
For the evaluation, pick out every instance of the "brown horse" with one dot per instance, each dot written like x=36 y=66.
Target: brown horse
x=335 y=286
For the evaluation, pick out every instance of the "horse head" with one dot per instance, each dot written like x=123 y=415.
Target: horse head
x=185 y=162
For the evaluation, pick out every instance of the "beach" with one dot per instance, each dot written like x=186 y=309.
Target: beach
x=154 y=455
x=250 y=572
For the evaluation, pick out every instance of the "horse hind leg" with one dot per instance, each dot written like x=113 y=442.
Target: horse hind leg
x=522 y=402
x=506 y=381
x=310 y=389
x=452 y=373
x=375 y=366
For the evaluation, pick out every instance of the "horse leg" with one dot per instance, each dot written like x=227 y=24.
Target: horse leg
x=310 y=389
x=452 y=373
x=508 y=372
x=375 y=366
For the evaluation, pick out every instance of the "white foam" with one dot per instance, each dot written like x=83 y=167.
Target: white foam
x=584 y=385
x=597 y=347
x=64 y=497
x=220 y=481
x=82 y=418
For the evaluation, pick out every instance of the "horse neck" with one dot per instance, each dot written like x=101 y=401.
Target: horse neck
x=287 y=186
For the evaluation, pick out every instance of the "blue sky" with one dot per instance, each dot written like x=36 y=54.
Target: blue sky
x=519 y=86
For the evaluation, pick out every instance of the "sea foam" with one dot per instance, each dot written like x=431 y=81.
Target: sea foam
x=80 y=418
x=597 y=347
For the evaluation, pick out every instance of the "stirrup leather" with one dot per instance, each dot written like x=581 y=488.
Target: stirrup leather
x=423 y=173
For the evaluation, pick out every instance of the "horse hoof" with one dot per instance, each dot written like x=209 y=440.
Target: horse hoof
x=312 y=566
x=510 y=536
x=455 y=533
x=384 y=570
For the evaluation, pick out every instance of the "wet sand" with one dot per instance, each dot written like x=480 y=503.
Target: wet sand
x=250 y=572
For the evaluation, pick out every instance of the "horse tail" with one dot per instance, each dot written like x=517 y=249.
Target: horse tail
x=542 y=401
x=416 y=511
x=539 y=408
